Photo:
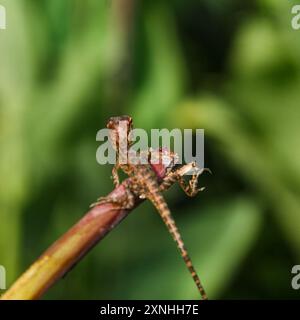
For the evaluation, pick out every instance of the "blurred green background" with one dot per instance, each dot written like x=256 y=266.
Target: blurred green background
x=231 y=67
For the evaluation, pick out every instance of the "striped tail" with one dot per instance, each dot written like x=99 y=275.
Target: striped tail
x=162 y=207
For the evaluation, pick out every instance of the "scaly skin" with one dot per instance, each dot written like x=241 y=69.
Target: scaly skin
x=144 y=184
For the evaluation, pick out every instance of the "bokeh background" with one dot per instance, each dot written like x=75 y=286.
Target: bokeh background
x=231 y=67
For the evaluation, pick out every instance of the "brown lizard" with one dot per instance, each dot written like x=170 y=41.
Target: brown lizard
x=143 y=183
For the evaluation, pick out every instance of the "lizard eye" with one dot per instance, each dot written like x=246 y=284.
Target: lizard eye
x=110 y=124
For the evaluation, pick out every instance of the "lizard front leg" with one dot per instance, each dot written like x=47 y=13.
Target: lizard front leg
x=115 y=176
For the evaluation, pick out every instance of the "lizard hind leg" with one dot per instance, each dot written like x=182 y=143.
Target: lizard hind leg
x=190 y=188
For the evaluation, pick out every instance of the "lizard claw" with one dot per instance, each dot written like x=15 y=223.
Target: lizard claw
x=201 y=170
x=208 y=170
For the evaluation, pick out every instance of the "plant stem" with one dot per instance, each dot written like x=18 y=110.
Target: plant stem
x=56 y=261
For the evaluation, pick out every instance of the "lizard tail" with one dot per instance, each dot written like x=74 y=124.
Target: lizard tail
x=162 y=207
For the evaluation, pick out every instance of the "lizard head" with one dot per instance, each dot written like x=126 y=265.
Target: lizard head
x=121 y=128
x=115 y=123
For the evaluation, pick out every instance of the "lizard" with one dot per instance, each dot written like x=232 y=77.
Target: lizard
x=143 y=183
